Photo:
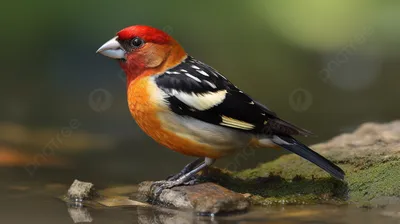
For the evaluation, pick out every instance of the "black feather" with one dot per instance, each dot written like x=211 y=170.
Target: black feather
x=300 y=149
x=236 y=105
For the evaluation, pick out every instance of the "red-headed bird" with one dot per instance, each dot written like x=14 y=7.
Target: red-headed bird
x=189 y=107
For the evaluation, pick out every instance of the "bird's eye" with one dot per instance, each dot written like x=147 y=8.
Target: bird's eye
x=136 y=42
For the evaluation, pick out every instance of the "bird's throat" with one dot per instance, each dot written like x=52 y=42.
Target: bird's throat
x=139 y=69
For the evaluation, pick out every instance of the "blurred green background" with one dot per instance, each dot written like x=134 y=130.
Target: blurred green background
x=327 y=66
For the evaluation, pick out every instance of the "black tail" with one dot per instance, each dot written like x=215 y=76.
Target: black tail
x=297 y=147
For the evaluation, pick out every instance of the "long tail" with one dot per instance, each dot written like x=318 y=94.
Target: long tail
x=291 y=144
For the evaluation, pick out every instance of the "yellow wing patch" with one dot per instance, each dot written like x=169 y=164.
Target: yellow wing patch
x=233 y=123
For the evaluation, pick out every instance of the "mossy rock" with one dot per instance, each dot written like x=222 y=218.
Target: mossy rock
x=370 y=156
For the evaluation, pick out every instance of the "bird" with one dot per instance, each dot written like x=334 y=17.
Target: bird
x=189 y=107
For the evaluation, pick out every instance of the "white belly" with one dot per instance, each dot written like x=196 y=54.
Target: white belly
x=221 y=138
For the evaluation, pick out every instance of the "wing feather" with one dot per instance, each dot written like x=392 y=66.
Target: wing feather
x=197 y=90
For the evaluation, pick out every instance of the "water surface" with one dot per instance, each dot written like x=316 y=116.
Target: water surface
x=35 y=201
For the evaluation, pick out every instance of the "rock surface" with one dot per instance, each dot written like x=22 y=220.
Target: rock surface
x=204 y=198
x=370 y=157
x=80 y=190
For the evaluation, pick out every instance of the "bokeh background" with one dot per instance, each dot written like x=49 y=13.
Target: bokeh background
x=327 y=66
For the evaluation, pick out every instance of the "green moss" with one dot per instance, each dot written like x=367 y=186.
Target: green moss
x=287 y=167
x=375 y=181
x=292 y=180
x=274 y=189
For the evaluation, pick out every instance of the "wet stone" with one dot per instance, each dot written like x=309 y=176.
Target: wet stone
x=204 y=198
x=80 y=191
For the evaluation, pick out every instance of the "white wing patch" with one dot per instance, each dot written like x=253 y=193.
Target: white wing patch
x=203 y=73
x=193 y=77
x=210 y=84
x=175 y=73
x=202 y=101
x=233 y=123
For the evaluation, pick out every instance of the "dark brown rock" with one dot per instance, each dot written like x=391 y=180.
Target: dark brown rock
x=202 y=198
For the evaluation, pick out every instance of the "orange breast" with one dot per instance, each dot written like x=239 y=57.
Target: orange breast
x=144 y=107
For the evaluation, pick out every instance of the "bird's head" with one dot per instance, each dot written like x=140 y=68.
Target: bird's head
x=143 y=50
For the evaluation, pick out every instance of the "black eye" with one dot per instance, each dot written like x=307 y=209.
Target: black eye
x=137 y=42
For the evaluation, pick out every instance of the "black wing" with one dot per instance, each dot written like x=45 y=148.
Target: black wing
x=193 y=81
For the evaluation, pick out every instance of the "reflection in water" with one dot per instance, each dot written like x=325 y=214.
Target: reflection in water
x=328 y=214
x=79 y=214
x=163 y=216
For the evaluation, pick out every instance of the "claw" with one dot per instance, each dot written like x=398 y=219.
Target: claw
x=191 y=182
x=175 y=177
x=162 y=185
x=189 y=177
x=167 y=184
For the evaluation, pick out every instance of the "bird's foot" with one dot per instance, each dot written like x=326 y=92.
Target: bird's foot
x=175 y=177
x=192 y=181
x=162 y=185
x=159 y=186
x=166 y=184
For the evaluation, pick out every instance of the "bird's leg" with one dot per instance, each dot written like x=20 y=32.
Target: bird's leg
x=186 y=169
x=166 y=184
x=207 y=162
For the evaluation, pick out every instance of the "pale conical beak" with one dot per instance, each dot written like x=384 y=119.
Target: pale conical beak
x=112 y=49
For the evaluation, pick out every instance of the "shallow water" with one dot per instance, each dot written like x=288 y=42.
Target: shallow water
x=35 y=201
